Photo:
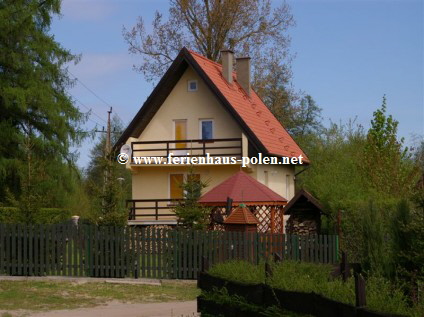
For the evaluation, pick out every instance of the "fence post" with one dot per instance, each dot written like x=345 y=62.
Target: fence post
x=277 y=257
x=268 y=271
x=205 y=264
x=360 y=291
x=75 y=220
x=344 y=269
x=136 y=269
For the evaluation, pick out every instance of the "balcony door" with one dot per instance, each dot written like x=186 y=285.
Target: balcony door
x=175 y=190
x=175 y=182
x=180 y=133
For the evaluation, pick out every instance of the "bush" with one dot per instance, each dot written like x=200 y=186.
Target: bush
x=43 y=216
x=310 y=277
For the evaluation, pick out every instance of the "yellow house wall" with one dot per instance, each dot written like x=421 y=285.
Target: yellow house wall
x=192 y=106
x=153 y=182
x=277 y=178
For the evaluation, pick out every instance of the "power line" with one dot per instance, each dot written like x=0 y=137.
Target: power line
x=96 y=95
x=89 y=109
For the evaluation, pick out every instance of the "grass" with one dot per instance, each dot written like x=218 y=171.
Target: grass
x=47 y=295
x=309 y=277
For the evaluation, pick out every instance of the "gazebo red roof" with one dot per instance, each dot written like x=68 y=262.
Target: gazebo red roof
x=241 y=216
x=242 y=188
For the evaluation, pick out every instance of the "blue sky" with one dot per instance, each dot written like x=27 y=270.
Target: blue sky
x=348 y=55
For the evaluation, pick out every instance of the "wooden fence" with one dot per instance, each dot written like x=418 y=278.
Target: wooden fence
x=91 y=251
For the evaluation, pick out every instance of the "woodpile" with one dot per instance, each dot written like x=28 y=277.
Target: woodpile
x=303 y=224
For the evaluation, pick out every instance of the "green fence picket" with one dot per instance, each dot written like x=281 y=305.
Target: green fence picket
x=88 y=250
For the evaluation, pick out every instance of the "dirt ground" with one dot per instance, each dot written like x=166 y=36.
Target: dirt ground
x=118 y=309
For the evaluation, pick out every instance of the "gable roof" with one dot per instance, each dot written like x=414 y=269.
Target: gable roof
x=256 y=120
x=241 y=216
x=241 y=188
x=302 y=197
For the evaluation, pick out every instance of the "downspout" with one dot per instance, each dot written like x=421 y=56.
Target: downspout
x=301 y=171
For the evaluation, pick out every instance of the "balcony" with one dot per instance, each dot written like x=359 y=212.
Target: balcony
x=230 y=147
x=152 y=211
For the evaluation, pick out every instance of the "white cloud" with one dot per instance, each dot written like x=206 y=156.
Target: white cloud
x=87 y=10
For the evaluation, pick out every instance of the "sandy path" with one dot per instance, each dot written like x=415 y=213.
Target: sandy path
x=118 y=309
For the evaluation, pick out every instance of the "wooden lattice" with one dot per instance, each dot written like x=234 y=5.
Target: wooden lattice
x=267 y=222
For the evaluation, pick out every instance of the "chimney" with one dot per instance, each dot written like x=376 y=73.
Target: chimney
x=227 y=65
x=243 y=73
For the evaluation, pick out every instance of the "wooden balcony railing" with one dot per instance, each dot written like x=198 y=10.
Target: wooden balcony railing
x=231 y=147
x=152 y=209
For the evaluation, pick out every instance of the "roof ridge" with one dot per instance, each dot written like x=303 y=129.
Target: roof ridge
x=271 y=147
x=234 y=72
x=205 y=58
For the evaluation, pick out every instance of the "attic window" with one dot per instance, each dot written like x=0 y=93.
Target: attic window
x=192 y=85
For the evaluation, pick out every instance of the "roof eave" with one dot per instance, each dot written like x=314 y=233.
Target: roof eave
x=144 y=115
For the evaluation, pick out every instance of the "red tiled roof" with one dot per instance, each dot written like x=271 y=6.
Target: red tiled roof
x=242 y=188
x=241 y=216
x=273 y=136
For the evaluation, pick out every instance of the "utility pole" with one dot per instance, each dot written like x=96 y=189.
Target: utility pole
x=107 y=156
x=108 y=132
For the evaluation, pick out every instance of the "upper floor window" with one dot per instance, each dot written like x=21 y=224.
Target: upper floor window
x=206 y=129
x=192 y=85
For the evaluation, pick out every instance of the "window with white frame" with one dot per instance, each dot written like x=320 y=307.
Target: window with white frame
x=192 y=85
x=206 y=129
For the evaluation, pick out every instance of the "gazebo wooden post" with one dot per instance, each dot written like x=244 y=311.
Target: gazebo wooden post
x=273 y=219
x=271 y=236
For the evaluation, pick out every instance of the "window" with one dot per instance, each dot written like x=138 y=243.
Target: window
x=206 y=129
x=192 y=85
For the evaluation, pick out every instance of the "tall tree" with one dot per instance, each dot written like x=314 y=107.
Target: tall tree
x=386 y=165
x=207 y=26
x=35 y=108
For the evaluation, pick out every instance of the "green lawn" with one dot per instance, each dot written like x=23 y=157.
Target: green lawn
x=40 y=295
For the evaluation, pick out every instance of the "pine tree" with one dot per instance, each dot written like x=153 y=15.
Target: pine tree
x=189 y=212
x=34 y=105
x=107 y=182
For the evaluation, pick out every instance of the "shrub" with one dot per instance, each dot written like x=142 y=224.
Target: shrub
x=43 y=216
x=382 y=295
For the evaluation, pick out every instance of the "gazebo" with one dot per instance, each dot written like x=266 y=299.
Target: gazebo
x=265 y=204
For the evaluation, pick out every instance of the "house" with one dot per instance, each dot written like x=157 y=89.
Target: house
x=207 y=112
